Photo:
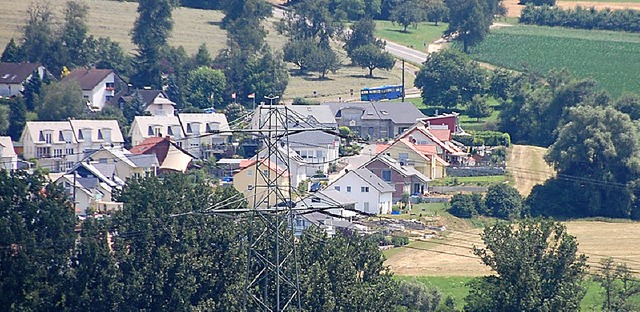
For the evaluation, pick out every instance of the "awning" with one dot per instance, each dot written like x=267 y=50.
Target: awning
x=176 y=160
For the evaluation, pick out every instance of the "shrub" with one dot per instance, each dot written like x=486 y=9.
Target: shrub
x=504 y=202
x=462 y=206
x=399 y=241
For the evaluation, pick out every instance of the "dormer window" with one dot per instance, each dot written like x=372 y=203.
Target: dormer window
x=60 y=136
x=150 y=131
x=208 y=128
x=189 y=128
x=41 y=136
x=80 y=135
x=169 y=130
x=100 y=137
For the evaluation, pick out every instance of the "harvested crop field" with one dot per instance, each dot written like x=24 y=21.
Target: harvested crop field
x=513 y=8
x=527 y=167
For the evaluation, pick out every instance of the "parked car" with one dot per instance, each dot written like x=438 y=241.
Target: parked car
x=315 y=186
x=319 y=177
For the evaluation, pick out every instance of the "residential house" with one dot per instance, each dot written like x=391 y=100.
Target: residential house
x=99 y=86
x=404 y=179
x=126 y=164
x=287 y=158
x=14 y=76
x=376 y=120
x=170 y=156
x=312 y=131
x=372 y=194
x=58 y=145
x=91 y=191
x=198 y=134
x=424 y=158
x=252 y=181
x=328 y=209
x=156 y=102
x=421 y=135
x=449 y=122
x=8 y=156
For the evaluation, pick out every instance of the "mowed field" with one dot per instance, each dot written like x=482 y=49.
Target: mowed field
x=513 y=8
x=611 y=58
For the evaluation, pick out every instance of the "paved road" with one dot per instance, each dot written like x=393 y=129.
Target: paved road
x=405 y=53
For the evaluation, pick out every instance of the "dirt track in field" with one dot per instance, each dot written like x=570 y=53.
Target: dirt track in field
x=527 y=167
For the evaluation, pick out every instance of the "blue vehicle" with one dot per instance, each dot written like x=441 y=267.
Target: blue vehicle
x=381 y=93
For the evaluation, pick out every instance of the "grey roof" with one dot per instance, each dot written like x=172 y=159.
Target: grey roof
x=88 y=183
x=375 y=181
x=407 y=171
x=143 y=160
x=320 y=113
x=108 y=170
x=311 y=139
x=16 y=73
x=337 y=196
x=397 y=112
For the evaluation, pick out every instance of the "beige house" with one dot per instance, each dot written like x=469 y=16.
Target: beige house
x=59 y=145
x=423 y=158
x=8 y=157
x=252 y=179
x=191 y=131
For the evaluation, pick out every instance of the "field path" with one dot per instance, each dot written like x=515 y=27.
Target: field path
x=527 y=166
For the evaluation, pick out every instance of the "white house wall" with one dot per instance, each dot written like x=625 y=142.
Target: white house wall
x=378 y=203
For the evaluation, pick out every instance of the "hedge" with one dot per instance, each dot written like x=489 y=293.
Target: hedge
x=486 y=138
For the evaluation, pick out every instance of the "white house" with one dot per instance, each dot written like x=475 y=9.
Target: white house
x=8 y=156
x=13 y=77
x=98 y=86
x=317 y=148
x=156 y=102
x=192 y=132
x=371 y=193
x=298 y=168
x=58 y=145
x=89 y=192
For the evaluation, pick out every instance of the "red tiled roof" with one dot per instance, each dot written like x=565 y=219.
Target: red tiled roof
x=443 y=135
x=381 y=147
x=145 y=145
x=426 y=149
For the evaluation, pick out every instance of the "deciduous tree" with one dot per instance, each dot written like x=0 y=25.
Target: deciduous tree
x=371 y=57
x=479 y=108
x=205 y=87
x=60 y=101
x=537 y=267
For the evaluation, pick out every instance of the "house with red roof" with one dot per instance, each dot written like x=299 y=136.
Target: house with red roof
x=437 y=140
x=170 y=156
x=98 y=86
x=424 y=158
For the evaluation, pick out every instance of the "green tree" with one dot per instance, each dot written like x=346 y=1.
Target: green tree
x=60 y=101
x=436 y=11
x=150 y=33
x=202 y=57
x=312 y=19
x=449 y=77
x=618 y=285
x=74 y=33
x=17 y=117
x=362 y=33
x=470 y=19
x=479 y=108
x=537 y=269
x=37 y=234
x=629 y=104
x=5 y=113
x=504 y=201
x=462 y=206
x=371 y=57
x=32 y=89
x=38 y=34
x=205 y=87
x=323 y=61
x=134 y=107
x=12 y=53
x=299 y=52
x=408 y=13
x=417 y=297
x=110 y=55
x=235 y=10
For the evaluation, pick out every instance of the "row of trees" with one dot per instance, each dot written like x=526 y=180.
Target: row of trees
x=583 y=18
x=501 y=201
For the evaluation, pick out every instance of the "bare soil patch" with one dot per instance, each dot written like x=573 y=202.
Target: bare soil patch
x=527 y=166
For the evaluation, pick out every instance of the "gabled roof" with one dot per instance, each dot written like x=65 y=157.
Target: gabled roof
x=204 y=119
x=146 y=145
x=95 y=125
x=425 y=151
x=175 y=158
x=142 y=123
x=376 y=182
x=311 y=139
x=143 y=160
x=16 y=73
x=406 y=171
x=397 y=112
x=266 y=162
x=446 y=145
x=321 y=113
x=7 y=147
x=87 y=78
x=443 y=135
x=293 y=156
x=148 y=96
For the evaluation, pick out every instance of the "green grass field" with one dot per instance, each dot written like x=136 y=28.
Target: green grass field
x=611 y=58
x=456 y=287
x=417 y=38
x=479 y=181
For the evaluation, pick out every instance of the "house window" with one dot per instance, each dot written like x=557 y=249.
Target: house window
x=60 y=137
x=80 y=135
x=337 y=188
x=403 y=158
x=348 y=189
x=208 y=128
x=366 y=207
x=315 y=200
x=100 y=137
x=386 y=175
x=364 y=189
x=170 y=131
x=69 y=164
x=47 y=138
x=250 y=172
x=150 y=131
x=189 y=128
x=57 y=152
x=69 y=151
x=108 y=98
x=102 y=160
x=41 y=136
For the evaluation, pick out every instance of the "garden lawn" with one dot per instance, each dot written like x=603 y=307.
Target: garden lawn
x=417 y=38
x=476 y=181
x=611 y=58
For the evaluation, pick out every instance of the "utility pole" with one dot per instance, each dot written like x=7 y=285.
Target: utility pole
x=402 y=80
